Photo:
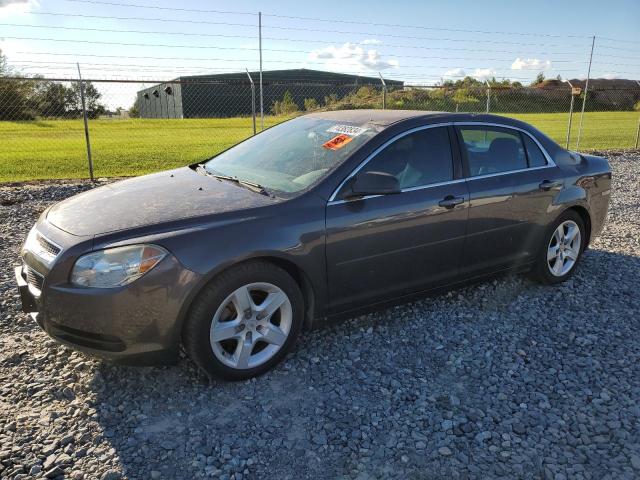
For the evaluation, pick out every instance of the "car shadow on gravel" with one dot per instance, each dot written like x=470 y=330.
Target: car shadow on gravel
x=461 y=383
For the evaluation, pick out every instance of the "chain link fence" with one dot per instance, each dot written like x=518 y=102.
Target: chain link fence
x=135 y=127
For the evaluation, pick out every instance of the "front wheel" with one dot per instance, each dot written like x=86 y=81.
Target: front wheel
x=245 y=321
x=562 y=249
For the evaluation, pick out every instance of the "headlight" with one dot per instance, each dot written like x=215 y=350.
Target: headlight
x=115 y=267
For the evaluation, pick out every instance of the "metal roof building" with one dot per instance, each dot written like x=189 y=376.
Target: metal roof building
x=230 y=94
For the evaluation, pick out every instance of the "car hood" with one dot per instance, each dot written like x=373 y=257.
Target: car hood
x=149 y=200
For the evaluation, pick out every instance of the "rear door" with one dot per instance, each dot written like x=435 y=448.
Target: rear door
x=511 y=185
x=382 y=246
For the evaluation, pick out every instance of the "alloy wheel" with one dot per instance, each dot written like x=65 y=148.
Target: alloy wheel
x=251 y=325
x=564 y=248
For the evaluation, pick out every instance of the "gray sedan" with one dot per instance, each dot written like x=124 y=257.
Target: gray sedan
x=328 y=214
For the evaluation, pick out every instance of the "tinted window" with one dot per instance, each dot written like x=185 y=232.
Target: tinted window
x=536 y=157
x=417 y=159
x=493 y=150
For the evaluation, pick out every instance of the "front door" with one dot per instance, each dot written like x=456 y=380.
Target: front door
x=383 y=246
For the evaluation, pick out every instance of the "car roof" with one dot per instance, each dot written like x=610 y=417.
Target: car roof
x=385 y=118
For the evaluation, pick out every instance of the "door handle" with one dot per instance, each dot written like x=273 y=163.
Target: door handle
x=450 y=201
x=548 y=185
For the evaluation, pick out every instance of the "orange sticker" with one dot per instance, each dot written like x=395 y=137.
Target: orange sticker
x=337 y=142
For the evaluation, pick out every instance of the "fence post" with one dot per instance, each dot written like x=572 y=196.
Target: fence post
x=488 y=94
x=570 y=115
x=586 y=89
x=253 y=100
x=384 y=92
x=638 y=130
x=260 y=48
x=86 y=124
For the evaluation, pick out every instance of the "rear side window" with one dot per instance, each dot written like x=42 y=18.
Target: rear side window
x=535 y=155
x=417 y=159
x=492 y=150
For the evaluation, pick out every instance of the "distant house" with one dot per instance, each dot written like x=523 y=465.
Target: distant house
x=229 y=94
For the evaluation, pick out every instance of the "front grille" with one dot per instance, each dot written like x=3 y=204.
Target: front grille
x=48 y=246
x=34 y=278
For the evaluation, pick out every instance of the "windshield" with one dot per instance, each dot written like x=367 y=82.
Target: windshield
x=292 y=155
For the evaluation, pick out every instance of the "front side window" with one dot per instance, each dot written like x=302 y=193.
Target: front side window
x=417 y=159
x=293 y=155
x=492 y=150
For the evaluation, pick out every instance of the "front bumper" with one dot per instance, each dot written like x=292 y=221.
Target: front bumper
x=135 y=324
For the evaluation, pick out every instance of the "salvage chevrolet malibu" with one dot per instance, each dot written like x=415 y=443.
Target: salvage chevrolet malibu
x=322 y=215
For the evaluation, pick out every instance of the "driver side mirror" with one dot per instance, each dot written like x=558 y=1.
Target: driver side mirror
x=373 y=183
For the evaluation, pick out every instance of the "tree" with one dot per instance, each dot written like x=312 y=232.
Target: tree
x=462 y=95
x=134 y=111
x=91 y=98
x=53 y=99
x=539 y=79
x=16 y=94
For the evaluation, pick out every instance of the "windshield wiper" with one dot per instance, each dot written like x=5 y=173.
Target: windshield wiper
x=255 y=187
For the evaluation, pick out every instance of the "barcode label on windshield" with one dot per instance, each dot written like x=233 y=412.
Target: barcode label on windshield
x=350 y=130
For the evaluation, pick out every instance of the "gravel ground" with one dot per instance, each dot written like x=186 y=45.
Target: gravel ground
x=501 y=379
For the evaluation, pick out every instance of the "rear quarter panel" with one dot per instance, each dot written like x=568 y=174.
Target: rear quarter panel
x=587 y=184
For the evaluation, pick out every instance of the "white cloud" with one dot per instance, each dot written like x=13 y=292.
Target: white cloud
x=530 y=64
x=4 y=3
x=9 y=8
x=611 y=76
x=352 y=57
x=483 y=73
x=455 y=73
x=479 y=73
x=371 y=41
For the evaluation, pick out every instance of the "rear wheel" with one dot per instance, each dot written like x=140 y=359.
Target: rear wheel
x=562 y=249
x=245 y=321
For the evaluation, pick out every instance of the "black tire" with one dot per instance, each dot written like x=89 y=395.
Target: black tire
x=195 y=334
x=541 y=271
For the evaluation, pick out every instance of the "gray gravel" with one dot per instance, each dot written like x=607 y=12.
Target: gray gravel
x=501 y=379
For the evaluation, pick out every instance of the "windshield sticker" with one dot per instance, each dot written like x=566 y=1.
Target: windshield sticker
x=337 y=142
x=347 y=129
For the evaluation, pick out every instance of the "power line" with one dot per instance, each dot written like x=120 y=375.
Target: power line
x=330 y=20
x=156 y=45
x=146 y=19
x=306 y=29
x=434 y=57
x=156 y=7
x=153 y=32
x=183 y=67
x=618 y=40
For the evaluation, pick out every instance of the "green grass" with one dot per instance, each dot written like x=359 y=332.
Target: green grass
x=51 y=149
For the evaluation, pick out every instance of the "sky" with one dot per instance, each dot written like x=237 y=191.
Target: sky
x=420 y=42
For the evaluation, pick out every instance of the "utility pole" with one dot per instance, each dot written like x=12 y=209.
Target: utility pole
x=86 y=123
x=586 y=90
x=260 y=48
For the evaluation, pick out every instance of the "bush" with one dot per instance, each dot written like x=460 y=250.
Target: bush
x=286 y=106
x=310 y=104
